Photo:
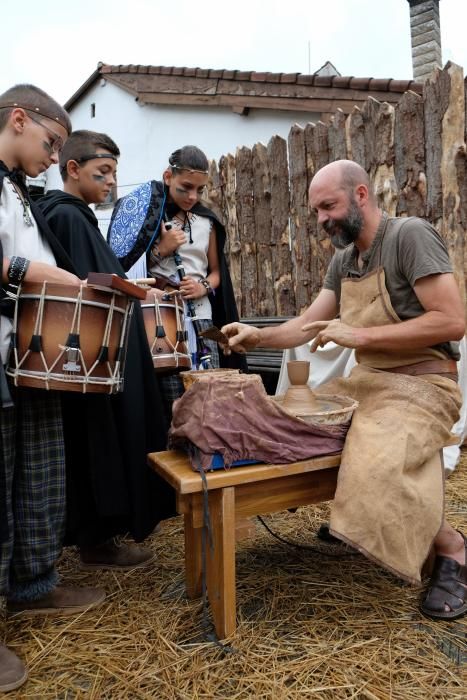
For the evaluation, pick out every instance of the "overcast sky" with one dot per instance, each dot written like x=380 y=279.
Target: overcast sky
x=57 y=44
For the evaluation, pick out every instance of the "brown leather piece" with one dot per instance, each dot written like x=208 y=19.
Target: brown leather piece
x=444 y=367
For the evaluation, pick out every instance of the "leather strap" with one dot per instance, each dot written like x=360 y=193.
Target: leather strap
x=447 y=368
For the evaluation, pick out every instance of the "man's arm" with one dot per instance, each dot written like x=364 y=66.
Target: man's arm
x=243 y=337
x=443 y=321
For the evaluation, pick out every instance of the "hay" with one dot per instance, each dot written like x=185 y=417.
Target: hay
x=309 y=626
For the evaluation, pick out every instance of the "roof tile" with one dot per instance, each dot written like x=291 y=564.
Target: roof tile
x=289 y=77
x=304 y=79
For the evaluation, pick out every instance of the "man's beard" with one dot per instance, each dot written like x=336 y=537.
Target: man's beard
x=345 y=231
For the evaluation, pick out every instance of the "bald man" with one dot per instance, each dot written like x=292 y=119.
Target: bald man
x=390 y=294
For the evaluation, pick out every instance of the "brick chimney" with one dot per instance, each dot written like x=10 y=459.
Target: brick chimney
x=426 y=37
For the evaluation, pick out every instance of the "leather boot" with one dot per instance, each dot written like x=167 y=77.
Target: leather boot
x=62 y=600
x=115 y=555
x=13 y=673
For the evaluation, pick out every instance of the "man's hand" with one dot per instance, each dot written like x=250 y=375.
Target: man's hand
x=169 y=240
x=241 y=338
x=334 y=330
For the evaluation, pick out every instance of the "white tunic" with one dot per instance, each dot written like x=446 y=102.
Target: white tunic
x=18 y=238
x=194 y=257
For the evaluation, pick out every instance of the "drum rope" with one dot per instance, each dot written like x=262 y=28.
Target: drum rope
x=105 y=344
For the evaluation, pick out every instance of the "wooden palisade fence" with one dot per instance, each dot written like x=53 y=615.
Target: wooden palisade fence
x=415 y=153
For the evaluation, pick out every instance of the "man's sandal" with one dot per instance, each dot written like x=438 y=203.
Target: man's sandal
x=448 y=587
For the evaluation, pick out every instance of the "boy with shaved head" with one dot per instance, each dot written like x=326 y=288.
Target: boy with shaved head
x=390 y=294
x=33 y=129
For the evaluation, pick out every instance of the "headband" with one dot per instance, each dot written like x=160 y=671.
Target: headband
x=84 y=159
x=35 y=110
x=189 y=170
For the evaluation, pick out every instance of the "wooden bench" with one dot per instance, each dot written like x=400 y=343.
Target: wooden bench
x=235 y=495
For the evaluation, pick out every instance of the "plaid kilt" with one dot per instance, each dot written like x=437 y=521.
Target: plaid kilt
x=32 y=456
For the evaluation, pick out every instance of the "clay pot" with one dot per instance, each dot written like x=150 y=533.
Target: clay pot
x=299 y=398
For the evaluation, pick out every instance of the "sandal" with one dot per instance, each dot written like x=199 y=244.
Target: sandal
x=448 y=587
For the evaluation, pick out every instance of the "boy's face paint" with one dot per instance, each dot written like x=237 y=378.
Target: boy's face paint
x=96 y=178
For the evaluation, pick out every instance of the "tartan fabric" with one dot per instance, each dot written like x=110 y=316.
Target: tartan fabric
x=172 y=385
x=32 y=456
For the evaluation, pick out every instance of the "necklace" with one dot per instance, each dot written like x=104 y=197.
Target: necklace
x=185 y=220
x=27 y=217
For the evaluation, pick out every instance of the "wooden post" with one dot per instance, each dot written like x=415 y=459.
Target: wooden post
x=193 y=563
x=337 y=136
x=247 y=232
x=409 y=155
x=452 y=101
x=227 y=172
x=221 y=561
x=262 y=216
x=283 y=271
x=299 y=212
x=317 y=151
x=355 y=132
x=378 y=118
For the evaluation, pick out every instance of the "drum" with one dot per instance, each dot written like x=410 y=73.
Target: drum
x=69 y=338
x=164 y=321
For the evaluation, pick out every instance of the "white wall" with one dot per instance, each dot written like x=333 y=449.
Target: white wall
x=146 y=135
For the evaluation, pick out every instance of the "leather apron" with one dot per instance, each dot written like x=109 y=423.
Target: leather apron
x=389 y=501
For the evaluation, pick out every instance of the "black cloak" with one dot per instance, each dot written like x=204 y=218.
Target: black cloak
x=110 y=488
x=224 y=308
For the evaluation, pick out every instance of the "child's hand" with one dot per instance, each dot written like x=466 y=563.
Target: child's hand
x=170 y=239
x=192 y=289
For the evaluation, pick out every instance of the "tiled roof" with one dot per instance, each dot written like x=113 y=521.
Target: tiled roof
x=340 y=81
x=242 y=90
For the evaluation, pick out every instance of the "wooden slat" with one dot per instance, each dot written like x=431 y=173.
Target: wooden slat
x=175 y=468
x=262 y=215
x=435 y=93
x=247 y=231
x=452 y=169
x=234 y=246
x=378 y=118
x=321 y=249
x=355 y=130
x=299 y=213
x=409 y=155
x=337 y=136
x=283 y=271
x=277 y=495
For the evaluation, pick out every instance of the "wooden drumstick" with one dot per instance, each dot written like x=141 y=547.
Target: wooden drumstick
x=144 y=280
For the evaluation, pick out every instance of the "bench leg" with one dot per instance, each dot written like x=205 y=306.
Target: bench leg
x=193 y=564
x=221 y=561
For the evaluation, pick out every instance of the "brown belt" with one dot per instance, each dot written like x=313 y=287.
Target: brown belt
x=447 y=368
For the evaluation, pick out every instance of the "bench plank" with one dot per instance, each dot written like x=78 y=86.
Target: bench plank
x=174 y=467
